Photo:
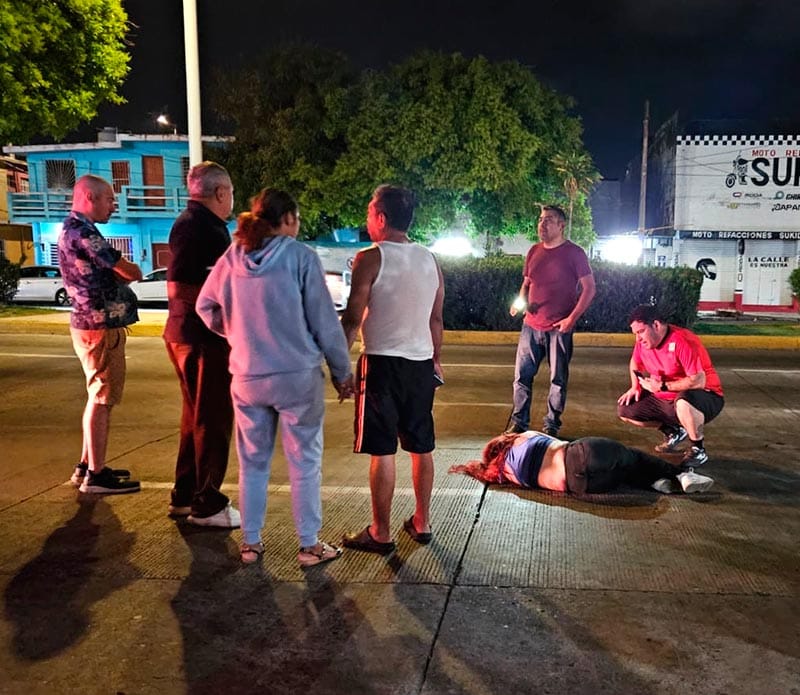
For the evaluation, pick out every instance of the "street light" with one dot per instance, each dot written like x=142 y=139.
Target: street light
x=163 y=119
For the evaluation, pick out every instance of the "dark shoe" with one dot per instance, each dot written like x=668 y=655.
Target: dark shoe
x=365 y=542
x=671 y=441
x=694 y=457
x=422 y=538
x=179 y=510
x=80 y=473
x=105 y=482
x=515 y=429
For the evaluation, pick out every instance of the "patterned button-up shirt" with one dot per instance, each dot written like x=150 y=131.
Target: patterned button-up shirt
x=99 y=298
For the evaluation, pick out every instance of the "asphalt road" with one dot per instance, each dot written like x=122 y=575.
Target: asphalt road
x=521 y=591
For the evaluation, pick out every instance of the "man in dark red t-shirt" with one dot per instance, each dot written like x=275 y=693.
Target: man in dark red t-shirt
x=555 y=269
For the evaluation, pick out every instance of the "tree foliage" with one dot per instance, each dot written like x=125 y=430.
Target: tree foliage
x=474 y=139
x=578 y=177
x=58 y=62
x=468 y=135
x=277 y=110
x=9 y=280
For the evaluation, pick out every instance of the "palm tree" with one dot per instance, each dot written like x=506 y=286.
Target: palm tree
x=579 y=175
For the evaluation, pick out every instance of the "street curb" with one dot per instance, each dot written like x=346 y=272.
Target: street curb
x=151 y=325
x=735 y=342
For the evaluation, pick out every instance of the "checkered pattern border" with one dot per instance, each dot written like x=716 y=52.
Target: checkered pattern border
x=739 y=140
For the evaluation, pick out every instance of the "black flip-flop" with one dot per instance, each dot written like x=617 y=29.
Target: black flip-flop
x=364 y=541
x=422 y=538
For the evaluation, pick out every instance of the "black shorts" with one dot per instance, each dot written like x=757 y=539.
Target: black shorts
x=651 y=409
x=394 y=398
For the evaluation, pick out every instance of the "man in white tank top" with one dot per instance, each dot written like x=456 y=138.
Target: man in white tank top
x=396 y=300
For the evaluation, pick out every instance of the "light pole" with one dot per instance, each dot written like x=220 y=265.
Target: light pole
x=192 y=81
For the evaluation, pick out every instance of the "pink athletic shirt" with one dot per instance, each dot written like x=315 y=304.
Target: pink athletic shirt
x=680 y=354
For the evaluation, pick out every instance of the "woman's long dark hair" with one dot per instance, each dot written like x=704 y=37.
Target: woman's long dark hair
x=266 y=212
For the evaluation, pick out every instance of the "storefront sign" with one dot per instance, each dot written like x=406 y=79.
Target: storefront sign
x=697 y=234
x=738 y=182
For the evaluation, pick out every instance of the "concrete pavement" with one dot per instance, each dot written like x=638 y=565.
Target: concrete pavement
x=520 y=592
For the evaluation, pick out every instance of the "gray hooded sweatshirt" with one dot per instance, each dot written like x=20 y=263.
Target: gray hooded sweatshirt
x=274 y=308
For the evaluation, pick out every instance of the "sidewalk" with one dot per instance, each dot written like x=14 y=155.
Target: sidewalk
x=520 y=592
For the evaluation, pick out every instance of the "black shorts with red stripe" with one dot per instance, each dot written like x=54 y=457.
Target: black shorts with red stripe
x=394 y=399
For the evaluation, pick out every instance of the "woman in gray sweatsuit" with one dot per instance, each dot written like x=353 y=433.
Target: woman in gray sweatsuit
x=267 y=296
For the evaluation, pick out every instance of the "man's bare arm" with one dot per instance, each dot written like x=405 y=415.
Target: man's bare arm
x=437 y=323
x=523 y=295
x=588 y=291
x=365 y=270
x=127 y=271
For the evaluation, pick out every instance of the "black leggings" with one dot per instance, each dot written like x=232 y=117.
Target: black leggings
x=598 y=464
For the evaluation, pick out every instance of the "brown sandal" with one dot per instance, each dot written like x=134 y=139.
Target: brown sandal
x=317 y=554
x=251 y=552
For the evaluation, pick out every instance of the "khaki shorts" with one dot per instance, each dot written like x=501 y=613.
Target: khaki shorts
x=102 y=356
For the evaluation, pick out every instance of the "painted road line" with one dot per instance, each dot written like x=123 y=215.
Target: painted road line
x=35 y=354
x=767 y=371
x=325 y=489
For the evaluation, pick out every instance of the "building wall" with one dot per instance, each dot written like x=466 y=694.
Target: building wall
x=97 y=160
x=738 y=183
x=144 y=228
x=732 y=209
x=16 y=240
x=737 y=210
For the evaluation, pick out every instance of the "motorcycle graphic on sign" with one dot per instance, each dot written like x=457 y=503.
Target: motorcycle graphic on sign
x=739 y=172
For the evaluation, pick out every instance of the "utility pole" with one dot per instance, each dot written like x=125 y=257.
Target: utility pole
x=195 y=127
x=643 y=178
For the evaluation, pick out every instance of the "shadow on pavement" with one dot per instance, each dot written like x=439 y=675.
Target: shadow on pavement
x=244 y=631
x=49 y=600
x=753 y=479
x=626 y=504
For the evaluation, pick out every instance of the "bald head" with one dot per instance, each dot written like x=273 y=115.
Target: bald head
x=93 y=197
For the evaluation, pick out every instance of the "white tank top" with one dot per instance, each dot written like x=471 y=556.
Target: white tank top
x=397 y=320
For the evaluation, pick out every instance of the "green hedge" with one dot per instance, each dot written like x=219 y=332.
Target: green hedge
x=479 y=292
x=794 y=282
x=9 y=280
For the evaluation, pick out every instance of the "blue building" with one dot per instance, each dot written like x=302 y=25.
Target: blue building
x=147 y=172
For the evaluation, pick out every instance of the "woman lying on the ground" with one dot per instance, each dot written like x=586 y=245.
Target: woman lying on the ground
x=587 y=465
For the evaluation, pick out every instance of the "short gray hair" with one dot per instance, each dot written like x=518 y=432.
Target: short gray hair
x=204 y=178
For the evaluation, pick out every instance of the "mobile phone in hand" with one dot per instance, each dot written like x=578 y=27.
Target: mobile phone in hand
x=437 y=380
x=641 y=375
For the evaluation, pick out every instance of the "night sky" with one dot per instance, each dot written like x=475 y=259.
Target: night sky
x=705 y=58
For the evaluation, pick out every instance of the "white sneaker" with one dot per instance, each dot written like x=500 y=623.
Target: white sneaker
x=227 y=518
x=694 y=482
x=665 y=486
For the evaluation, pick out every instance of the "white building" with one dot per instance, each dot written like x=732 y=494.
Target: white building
x=727 y=202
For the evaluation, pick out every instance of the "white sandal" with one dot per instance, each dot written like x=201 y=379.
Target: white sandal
x=251 y=552
x=317 y=554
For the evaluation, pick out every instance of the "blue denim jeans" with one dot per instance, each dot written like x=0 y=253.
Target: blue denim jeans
x=534 y=346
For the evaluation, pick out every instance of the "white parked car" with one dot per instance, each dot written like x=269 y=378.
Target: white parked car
x=41 y=283
x=339 y=287
x=152 y=287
